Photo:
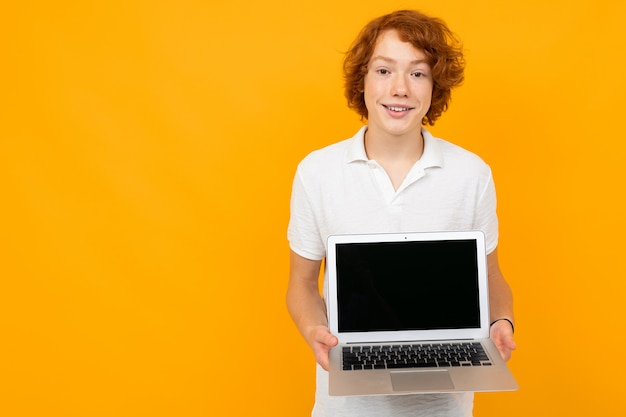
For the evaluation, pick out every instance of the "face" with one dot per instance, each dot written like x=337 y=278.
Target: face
x=398 y=87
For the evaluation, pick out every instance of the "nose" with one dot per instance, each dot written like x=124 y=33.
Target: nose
x=399 y=86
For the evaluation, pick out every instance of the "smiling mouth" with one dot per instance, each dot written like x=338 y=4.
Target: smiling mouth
x=396 y=108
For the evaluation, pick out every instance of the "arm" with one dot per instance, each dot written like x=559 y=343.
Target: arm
x=501 y=302
x=307 y=308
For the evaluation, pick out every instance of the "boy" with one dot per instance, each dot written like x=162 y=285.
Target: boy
x=392 y=176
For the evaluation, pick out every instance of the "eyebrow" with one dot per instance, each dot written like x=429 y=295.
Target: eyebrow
x=393 y=61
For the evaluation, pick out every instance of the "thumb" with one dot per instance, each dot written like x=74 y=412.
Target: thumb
x=327 y=338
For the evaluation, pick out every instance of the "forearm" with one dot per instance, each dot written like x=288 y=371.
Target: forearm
x=306 y=307
x=304 y=303
x=500 y=294
x=501 y=301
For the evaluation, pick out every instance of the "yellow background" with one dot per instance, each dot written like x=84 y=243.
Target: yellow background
x=146 y=158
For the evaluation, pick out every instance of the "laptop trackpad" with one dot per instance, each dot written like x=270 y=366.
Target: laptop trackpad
x=421 y=380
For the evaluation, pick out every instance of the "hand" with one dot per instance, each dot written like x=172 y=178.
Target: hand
x=321 y=342
x=501 y=334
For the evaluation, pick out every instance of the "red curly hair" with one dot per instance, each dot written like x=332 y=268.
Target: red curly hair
x=428 y=34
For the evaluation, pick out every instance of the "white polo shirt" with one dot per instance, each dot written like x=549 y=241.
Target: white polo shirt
x=339 y=190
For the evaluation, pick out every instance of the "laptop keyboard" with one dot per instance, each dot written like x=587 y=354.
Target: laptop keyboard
x=433 y=355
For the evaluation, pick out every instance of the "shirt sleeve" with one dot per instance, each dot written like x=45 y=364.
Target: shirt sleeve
x=303 y=231
x=486 y=218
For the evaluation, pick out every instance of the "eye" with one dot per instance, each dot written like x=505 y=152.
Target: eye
x=418 y=74
x=382 y=71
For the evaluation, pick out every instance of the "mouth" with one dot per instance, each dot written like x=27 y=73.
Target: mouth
x=397 y=108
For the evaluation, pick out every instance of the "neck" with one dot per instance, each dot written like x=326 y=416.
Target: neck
x=385 y=147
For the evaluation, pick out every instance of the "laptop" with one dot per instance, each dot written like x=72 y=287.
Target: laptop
x=411 y=312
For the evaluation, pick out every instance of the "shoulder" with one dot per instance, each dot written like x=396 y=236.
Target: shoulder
x=326 y=156
x=455 y=156
x=333 y=157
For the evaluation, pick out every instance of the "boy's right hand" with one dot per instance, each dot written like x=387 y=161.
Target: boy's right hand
x=321 y=343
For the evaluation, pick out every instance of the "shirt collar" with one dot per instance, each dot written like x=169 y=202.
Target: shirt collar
x=432 y=156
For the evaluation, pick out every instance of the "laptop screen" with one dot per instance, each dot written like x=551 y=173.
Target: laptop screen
x=414 y=285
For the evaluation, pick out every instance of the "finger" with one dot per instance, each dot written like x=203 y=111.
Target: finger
x=323 y=361
x=321 y=355
x=506 y=348
x=508 y=341
x=331 y=340
x=511 y=344
x=325 y=337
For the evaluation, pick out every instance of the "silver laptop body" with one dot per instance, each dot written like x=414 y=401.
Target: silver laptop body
x=414 y=293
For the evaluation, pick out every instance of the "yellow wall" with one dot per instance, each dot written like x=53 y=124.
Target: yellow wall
x=146 y=158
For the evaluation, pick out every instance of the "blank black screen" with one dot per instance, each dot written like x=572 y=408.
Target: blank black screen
x=407 y=286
